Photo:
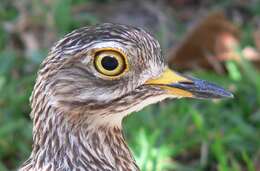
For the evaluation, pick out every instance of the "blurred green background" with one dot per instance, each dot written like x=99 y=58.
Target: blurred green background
x=182 y=135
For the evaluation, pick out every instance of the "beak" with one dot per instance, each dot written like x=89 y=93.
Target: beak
x=183 y=86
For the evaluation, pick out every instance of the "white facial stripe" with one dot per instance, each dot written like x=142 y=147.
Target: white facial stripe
x=115 y=119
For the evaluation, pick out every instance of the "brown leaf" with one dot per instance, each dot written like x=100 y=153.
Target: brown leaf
x=213 y=36
x=257 y=38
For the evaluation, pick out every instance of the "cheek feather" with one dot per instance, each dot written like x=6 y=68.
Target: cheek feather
x=114 y=117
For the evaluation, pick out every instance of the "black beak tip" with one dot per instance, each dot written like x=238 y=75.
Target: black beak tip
x=210 y=90
x=228 y=95
x=224 y=94
x=204 y=90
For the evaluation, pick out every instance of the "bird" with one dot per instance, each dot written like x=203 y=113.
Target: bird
x=90 y=80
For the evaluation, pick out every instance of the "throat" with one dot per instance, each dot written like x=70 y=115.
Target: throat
x=84 y=148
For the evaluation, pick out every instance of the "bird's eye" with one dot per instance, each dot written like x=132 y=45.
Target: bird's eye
x=110 y=63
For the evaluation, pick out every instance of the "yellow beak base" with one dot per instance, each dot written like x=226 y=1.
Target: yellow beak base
x=169 y=77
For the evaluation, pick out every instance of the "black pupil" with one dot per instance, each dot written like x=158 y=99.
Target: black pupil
x=109 y=63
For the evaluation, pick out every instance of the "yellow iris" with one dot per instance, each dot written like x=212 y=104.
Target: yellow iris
x=110 y=63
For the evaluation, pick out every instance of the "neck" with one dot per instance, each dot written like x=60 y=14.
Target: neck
x=60 y=146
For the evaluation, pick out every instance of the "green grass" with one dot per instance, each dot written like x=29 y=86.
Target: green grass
x=197 y=134
x=182 y=135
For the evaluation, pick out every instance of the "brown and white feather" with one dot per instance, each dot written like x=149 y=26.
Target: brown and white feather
x=77 y=114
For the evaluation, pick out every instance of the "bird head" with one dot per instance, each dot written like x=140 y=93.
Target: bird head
x=97 y=75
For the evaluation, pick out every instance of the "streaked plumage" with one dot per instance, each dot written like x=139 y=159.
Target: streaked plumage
x=77 y=111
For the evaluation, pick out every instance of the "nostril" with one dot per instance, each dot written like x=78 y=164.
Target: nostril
x=186 y=83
